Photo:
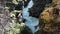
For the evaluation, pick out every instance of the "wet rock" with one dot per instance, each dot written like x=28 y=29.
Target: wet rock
x=38 y=7
x=26 y=2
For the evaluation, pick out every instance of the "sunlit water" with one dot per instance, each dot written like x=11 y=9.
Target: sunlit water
x=30 y=21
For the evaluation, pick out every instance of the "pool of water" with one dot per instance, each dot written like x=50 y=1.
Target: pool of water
x=31 y=22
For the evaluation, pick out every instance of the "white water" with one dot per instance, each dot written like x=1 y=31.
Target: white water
x=30 y=21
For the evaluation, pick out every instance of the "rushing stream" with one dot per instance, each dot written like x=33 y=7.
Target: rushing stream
x=31 y=22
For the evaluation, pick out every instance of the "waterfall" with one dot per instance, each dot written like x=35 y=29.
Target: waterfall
x=31 y=22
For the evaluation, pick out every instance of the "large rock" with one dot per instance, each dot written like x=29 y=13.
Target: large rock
x=50 y=21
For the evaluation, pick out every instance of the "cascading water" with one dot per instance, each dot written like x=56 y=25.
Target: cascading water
x=31 y=22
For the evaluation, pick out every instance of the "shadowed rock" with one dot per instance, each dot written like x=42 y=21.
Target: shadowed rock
x=38 y=7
